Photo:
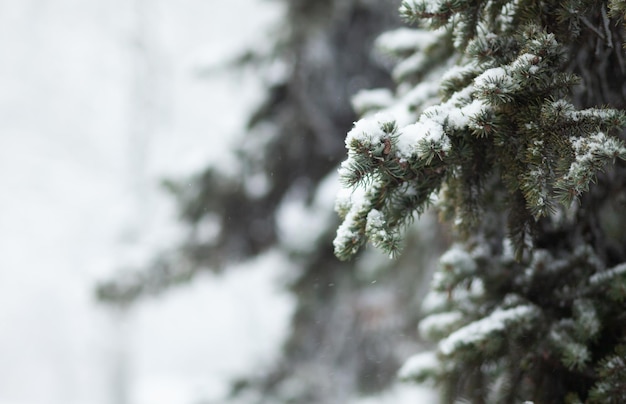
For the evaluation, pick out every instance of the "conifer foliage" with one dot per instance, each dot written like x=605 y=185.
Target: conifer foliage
x=523 y=117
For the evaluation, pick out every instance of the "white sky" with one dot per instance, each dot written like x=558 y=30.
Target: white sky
x=98 y=101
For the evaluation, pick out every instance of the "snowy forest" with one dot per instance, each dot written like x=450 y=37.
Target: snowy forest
x=313 y=201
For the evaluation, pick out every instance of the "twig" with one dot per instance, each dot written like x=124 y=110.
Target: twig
x=605 y=20
x=591 y=27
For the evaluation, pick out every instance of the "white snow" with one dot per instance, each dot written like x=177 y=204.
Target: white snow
x=615 y=362
x=459 y=25
x=375 y=219
x=293 y=213
x=480 y=330
x=586 y=149
x=434 y=301
x=355 y=203
x=418 y=95
x=430 y=6
x=408 y=44
x=416 y=365
x=497 y=80
x=607 y=275
x=406 y=39
x=527 y=61
x=189 y=343
x=428 y=130
x=375 y=228
x=411 y=65
x=507 y=14
x=458 y=260
x=366 y=100
x=434 y=324
x=368 y=131
x=461 y=117
x=404 y=393
x=457 y=71
x=428 y=133
x=491 y=75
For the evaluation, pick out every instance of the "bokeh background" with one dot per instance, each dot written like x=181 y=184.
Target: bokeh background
x=101 y=100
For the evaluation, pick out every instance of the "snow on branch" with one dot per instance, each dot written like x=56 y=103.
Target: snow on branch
x=480 y=332
x=420 y=367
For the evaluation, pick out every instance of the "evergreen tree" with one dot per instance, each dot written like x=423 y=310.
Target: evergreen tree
x=348 y=336
x=521 y=151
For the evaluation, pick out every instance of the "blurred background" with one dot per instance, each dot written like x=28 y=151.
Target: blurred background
x=169 y=175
